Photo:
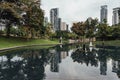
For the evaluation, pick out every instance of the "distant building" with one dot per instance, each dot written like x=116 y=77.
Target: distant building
x=59 y=23
x=67 y=27
x=2 y=25
x=45 y=21
x=54 y=14
x=115 y=17
x=63 y=26
x=103 y=13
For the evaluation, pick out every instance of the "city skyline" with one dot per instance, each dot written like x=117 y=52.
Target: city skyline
x=75 y=11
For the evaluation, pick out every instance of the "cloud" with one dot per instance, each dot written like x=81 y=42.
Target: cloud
x=79 y=10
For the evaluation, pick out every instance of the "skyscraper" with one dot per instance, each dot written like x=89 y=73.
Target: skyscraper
x=45 y=21
x=67 y=27
x=59 y=24
x=115 y=17
x=54 y=13
x=63 y=26
x=103 y=13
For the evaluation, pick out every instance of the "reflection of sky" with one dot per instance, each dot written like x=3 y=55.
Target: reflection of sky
x=69 y=70
x=3 y=58
x=16 y=58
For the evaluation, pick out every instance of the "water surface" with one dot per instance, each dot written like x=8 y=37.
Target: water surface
x=64 y=62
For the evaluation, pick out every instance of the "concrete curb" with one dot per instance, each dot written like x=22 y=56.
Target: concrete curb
x=10 y=48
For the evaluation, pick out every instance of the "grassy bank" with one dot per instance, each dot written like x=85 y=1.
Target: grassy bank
x=109 y=43
x=12 y=42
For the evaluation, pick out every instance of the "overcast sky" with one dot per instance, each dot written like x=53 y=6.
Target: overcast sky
x=79 y=10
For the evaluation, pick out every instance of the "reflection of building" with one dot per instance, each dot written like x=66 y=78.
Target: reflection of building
x=55 y=62
x=116 y=16
x=56 y=59
x=103 y=13
x=103 y=67
x=54 y=14
x=64 y=54
x=116 y=67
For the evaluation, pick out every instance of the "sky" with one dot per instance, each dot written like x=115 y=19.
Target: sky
x=79 y=10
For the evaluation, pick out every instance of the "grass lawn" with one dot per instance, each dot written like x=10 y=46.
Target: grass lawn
x=109 y=43
x=12 y=42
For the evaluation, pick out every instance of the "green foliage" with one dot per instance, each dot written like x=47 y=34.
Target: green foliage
x=72 y=36
x=63 y=34
x=103 y=30
x=90 y=33
x=79 y=28
x=33 y=19
x=91 y=26
x=116 y=32
x=31 y=22
x=87 y=28
x=2 y=32
x=8 y=12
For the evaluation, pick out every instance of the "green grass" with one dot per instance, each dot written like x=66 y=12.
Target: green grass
x=12 y=42
x=109 y=43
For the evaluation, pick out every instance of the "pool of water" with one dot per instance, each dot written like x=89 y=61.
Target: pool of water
x=63 y=62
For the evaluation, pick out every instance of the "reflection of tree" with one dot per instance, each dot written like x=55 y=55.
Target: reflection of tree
x=10 y=70
x=85 y=57
x=115 y=55
x=31 y=67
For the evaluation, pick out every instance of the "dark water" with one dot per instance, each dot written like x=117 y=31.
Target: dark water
x=60 y=63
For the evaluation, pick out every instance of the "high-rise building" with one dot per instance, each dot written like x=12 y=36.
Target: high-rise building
x=45 y=21
x=115 y=17
x=67 y=27
x=59 y=24
x=103 y=13
x=54 y=14
x=63 y=26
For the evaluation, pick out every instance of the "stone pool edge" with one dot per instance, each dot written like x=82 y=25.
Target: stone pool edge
x=10 y=48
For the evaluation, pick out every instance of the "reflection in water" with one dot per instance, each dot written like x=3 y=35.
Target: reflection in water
x=29 y=64
x=55 y=61
x=103 y=61
x=28 y=68
x=88 y=57
x=116 y=67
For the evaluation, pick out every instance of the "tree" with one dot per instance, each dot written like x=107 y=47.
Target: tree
x=103 y=30
x=116 y=32
x=79 y=29
x=91 y=26
x=9 y=13
x=48 y=30
x=34 y=17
